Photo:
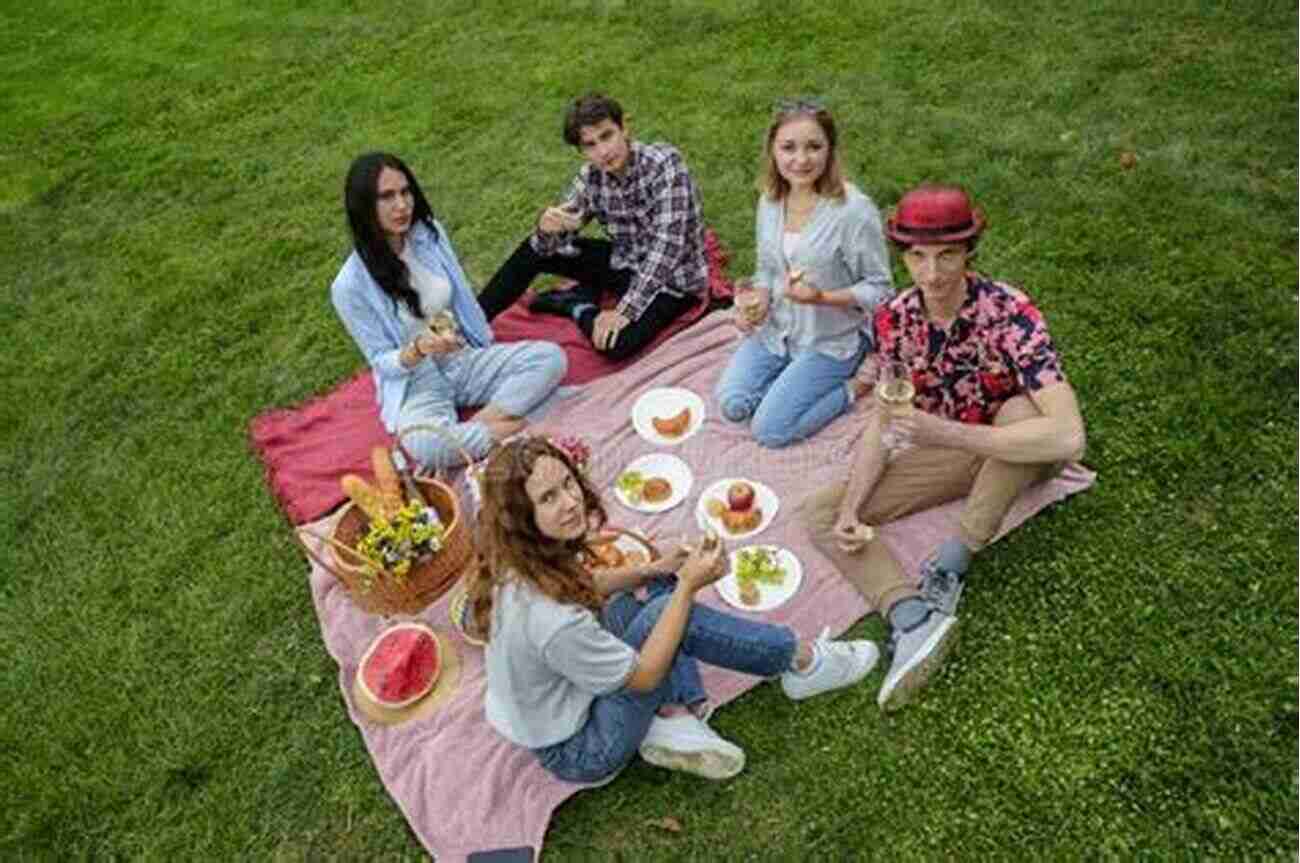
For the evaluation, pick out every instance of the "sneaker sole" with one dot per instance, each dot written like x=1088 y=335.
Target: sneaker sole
x=917 y=674
x=710 y=765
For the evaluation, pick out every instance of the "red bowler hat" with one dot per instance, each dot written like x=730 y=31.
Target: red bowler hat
x=934 y=214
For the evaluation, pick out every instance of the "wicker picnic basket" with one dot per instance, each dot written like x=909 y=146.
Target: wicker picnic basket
x=379 y=591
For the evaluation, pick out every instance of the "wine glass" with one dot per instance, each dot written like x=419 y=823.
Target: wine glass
x=894 y=394
x=749 y=301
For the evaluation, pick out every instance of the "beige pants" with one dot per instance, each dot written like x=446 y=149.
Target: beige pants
x=916 y=479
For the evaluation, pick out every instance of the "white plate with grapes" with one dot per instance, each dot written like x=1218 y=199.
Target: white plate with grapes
x=762 y=577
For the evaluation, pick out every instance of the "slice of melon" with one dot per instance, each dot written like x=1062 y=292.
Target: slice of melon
x=400 y=666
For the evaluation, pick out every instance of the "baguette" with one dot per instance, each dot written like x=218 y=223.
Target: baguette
x=364 y=495
x=389 y=484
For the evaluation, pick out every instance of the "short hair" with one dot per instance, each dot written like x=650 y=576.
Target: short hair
x=970 y=243
x=831 y=182
x=590 y=110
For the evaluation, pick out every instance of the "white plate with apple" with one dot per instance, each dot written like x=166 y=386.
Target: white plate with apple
x=762 y=577
x=737 y=508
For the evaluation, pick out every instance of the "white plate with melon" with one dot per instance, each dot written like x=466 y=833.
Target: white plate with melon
x=666 y=416
x=737 y=508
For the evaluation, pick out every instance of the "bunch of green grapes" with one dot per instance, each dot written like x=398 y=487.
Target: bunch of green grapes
x=759 y=565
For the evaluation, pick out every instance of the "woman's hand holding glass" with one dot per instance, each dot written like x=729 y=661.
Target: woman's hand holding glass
x=751 y=304
x=705 y=564
x=431 y=344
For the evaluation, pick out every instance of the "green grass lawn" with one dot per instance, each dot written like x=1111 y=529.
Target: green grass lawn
x=170 y=219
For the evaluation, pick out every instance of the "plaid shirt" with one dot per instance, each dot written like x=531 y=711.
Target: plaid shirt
x=996 y=348
x=651 y=214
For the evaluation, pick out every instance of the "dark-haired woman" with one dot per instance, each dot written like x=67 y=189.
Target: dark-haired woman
x=583 y=672
x=822 y=268
x=407 y=303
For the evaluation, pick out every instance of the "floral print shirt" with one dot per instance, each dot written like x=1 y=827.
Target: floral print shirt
x=997 y=347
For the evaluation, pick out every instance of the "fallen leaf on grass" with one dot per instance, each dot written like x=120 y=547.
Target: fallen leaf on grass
x=668 y=822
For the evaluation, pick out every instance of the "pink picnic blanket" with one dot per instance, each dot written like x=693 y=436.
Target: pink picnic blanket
x=464 y=788
x=307 y=448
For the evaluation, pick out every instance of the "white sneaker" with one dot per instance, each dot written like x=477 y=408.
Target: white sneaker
x=841 y=663
x=688 y=744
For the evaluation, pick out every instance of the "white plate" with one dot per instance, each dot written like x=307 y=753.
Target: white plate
x=665 y=402
x=764 y=498
x=671 y=468
x=770 y=595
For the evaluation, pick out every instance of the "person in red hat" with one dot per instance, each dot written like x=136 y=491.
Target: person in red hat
x=991 y=413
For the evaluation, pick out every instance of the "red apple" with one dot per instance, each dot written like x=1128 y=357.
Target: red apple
x=740 y=496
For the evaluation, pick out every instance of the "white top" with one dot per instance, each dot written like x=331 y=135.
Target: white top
x=789 y=243
x=546 y=662
x=434 y=293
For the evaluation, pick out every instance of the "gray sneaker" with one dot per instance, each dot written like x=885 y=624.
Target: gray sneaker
x=941 y=587
x=917 y=653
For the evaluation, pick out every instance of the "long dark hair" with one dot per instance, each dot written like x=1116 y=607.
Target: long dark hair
x=360 y=199
x=511 y=546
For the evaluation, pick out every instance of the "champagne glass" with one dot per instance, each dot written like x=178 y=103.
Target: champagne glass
x=749 y=301
x=894 y=393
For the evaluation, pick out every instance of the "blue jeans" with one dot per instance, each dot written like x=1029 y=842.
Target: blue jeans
x=789 y=397
x=513 y=376
x=617 y=723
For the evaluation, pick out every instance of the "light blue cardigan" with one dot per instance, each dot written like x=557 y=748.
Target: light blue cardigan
x=370 y=315
x=841 y=248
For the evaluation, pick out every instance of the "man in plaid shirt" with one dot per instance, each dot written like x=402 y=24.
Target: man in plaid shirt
x=644 y=198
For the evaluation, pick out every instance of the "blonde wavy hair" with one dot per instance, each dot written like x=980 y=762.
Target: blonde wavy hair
x=831 y=183
x=511 y=547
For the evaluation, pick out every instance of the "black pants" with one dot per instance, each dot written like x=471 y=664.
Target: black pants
x=590 y=268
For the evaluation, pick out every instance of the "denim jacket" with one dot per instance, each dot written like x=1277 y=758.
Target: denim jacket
x=371 y=318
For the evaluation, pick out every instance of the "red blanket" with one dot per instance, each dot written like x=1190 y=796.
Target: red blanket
x=305 y=449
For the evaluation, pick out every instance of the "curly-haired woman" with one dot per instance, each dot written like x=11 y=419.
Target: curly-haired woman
x=586 y=674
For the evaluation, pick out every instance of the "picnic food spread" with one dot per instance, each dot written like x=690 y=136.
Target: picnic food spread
x=737 y=513
x=400 y=667
x=607 y=555
x=638 y=487
x=673 y=426
x=400 y=531
x=656 y=489
x=757 y=566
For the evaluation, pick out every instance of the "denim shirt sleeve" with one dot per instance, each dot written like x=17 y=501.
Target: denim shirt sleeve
x=357 y=301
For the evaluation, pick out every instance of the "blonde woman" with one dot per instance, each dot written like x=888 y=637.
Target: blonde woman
x=822 y=270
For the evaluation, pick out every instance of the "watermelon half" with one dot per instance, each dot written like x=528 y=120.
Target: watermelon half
x=400 y=666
